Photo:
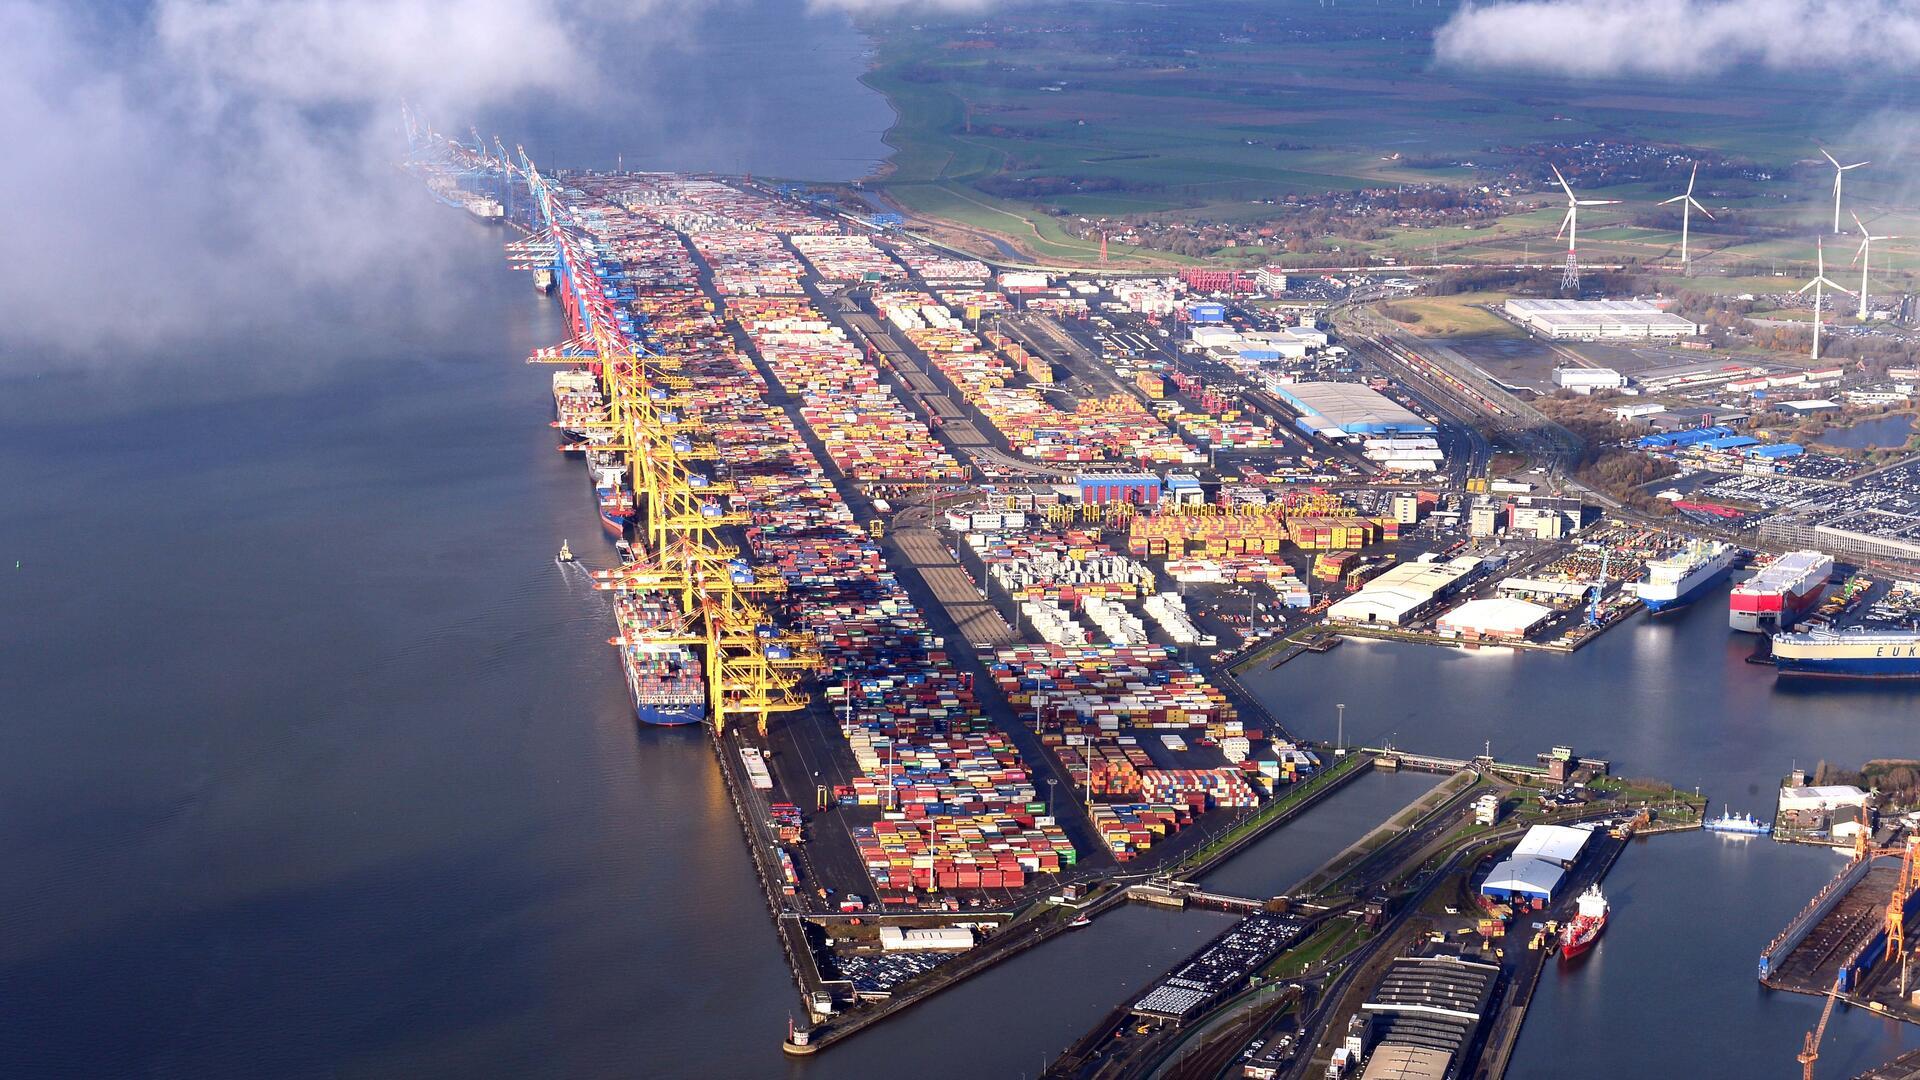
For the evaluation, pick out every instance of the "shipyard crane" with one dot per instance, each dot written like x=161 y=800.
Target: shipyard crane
x=1896 y=919
x=1810 y=1047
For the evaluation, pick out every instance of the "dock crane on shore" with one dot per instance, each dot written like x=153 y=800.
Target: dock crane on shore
x=1810 y=1047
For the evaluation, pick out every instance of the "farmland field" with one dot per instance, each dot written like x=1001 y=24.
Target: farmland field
x=1037 y=123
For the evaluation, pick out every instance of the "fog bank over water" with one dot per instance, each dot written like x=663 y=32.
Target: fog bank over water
x=199 y=170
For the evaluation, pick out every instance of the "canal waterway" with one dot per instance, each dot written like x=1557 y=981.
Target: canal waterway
x=1286 y=856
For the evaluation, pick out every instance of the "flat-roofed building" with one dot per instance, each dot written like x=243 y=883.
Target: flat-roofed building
x=1589 y=320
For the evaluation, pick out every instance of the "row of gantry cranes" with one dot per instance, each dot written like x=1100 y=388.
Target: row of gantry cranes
x=686 y=528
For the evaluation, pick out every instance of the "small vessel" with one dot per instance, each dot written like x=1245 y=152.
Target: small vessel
x=1857 y=653
x=1586 y=926
x=566 y=553
x=1744 y=823
x=1679 y=579
x=1781 y=594
x=1079 y=922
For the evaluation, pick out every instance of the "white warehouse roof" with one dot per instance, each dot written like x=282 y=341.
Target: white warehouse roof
x=1559 y=844
x=1501 y=616
x=895 y=939
x=1533 y=877
x=1395 y=595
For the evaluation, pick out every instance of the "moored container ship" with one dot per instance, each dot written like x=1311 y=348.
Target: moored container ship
x=1680 y=578
x=1781 y=594
x=663 y=674
x=1858 y=653
x=1590 y=921
x=578 y=404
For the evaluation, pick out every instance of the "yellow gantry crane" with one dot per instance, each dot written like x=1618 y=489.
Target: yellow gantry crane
x=753 y=669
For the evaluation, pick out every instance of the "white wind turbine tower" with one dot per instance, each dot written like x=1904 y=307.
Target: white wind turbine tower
x=1570 y=280
x=1839 y=173
x=1865 y=258
x=1688 y=204
x=1820 y=279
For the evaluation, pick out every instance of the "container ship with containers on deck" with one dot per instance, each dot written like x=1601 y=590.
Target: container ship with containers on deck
x=1858 y=653
x=1680 y=578
x=1587 y=925
x=663 y=674
x=1781 y=594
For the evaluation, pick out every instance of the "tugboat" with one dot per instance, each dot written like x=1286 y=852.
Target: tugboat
x=1579 y=935
x=566 y=553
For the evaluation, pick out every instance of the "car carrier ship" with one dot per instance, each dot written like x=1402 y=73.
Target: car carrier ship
x=1681 y=578
x=1858 y=653
x=1781 y=594
x=663 y=674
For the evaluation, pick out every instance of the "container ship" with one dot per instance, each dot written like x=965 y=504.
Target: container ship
x=1781 y=594
x=616 y=502
x=663 y=674
x=578 y=405
x=1858 y=653
x=1679 y=579
x=1585 y=928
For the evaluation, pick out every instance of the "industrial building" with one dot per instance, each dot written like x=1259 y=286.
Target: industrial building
x=1403 y=593
x=930 y=939
x=1498 y=618
x=1532 y=871
x=1827 y=797
x=1425 y=1015
x=1588 y=320
x=1352 y=408
x=1585 y=380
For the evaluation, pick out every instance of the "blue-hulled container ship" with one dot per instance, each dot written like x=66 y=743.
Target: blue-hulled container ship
x=663 y=673
x=1682 y=578
x=1858 y=653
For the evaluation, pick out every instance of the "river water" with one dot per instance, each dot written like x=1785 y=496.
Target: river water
x=318 y=765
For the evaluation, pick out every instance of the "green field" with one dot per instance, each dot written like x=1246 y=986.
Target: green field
x=1025 y=121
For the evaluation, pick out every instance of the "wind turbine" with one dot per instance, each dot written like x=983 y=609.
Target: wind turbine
x=1839 y=173
x=1688 y=204
x=1819 y=279
x=1570 y=280
x=1865 y=258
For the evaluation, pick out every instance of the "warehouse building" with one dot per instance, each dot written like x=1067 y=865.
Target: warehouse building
x=1588 y=320
x=1403 y=593
x=1353 y=408
x=1585 y=380
x=1515 y=879
x=1425 y=1015
x=1499 y=618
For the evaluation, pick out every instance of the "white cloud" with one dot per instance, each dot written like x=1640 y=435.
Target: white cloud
x=221 y=168
x=1681 y=38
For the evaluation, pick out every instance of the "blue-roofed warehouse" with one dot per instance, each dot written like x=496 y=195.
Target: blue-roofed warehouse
x=1778 y=451
x=1729 y=442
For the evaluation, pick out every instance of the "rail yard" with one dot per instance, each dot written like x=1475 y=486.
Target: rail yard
x=957 y=565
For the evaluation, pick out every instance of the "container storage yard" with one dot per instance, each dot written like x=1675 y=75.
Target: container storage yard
x=784 y=417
